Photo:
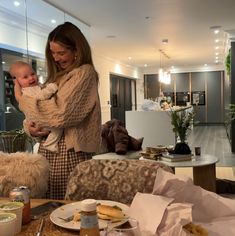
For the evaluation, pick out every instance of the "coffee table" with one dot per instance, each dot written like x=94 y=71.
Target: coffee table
x=204 y=172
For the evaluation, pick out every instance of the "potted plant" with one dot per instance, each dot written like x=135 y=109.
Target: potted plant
x=181 y=121
x=230 y=116
x=14 y=140
x=228 y=63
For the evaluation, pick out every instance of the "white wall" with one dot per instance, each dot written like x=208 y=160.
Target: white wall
x=105 y=67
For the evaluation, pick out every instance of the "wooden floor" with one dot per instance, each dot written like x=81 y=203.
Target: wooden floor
x=212 y=140
x=221 y=172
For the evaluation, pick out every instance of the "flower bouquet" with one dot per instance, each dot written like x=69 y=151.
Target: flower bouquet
x=181 y=121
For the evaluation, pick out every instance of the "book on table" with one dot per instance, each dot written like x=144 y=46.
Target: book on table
x=176 y=157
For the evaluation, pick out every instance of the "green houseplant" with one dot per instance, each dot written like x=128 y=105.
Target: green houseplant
x=14 y=140
x=181 y=122
x=228 y=63
x=230 y=116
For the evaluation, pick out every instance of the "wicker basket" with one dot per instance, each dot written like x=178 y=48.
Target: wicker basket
x=13 y=141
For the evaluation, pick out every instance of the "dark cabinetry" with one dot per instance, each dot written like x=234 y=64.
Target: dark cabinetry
x=151 y=86
x=205 y=91
x=215 y=106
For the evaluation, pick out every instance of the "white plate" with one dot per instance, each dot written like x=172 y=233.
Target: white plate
x=69 y=209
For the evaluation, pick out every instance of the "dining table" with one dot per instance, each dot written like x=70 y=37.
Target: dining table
x=49 y=228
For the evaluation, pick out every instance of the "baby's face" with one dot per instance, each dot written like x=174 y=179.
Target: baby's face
x=26 y=76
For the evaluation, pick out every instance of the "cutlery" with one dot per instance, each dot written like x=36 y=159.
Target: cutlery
x=42 y=223
x=66 y=219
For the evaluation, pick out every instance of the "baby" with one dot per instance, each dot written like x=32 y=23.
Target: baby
x=28 y=80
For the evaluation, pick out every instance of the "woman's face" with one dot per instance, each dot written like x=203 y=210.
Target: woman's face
x=63 y=56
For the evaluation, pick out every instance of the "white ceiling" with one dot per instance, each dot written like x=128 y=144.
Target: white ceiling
x=185 y=23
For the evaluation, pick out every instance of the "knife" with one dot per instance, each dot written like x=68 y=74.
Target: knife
x=40 y=229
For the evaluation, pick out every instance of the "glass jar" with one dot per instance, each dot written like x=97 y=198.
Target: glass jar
x=89 y=219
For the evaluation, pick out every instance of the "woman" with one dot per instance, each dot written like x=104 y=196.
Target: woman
x=75 y=108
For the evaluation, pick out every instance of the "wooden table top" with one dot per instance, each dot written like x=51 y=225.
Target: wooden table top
x=50 y=229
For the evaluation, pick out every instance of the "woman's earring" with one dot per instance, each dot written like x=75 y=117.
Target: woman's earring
x=75 y=58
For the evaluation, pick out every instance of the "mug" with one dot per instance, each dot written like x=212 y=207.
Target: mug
x=16 y=208
x=7 y=224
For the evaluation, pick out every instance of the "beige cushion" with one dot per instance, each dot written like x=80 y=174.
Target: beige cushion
x=23 y=169
x=117 y=180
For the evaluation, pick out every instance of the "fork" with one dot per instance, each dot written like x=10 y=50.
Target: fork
x=67 y=219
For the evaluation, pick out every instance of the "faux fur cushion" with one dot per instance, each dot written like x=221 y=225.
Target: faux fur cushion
x=22 y=168
x=117 y=180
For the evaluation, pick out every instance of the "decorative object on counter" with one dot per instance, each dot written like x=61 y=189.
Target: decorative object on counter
x=181 y=122
x=149 y=105
x=14 y=141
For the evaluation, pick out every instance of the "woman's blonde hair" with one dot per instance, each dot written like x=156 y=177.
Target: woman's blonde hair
x=69 y=36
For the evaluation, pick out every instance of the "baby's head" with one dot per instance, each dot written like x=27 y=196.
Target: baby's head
x=24 y=74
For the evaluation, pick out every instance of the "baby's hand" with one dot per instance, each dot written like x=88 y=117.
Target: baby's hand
x=37 y=131
x=17 y=90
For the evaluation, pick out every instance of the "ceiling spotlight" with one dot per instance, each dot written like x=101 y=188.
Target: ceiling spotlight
x=217 y=47
x=3 y=62
x=53 y=21
x=129 y=58
x=165 y=41
x=205 y=64
x=216 y=29
x=145 y=65
x=16 y=3
x=216 y=40
x=216 y=53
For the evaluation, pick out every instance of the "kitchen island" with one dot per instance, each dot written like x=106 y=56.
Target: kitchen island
x=154 y=126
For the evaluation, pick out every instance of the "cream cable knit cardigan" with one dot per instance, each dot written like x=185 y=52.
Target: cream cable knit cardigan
x=75 y=108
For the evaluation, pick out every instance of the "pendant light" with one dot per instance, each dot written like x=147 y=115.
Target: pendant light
x=164 y=76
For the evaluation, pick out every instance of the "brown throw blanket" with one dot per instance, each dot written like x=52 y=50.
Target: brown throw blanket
x=117 y=138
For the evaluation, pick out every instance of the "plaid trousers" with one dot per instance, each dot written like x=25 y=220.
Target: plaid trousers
x=61 y=166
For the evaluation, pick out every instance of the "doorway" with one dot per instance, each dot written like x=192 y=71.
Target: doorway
x=122 y=95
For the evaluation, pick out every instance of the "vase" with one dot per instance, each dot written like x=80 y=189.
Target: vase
x=182 y=148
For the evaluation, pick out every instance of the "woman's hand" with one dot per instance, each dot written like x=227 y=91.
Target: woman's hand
x=17 y=89
x=36 y=131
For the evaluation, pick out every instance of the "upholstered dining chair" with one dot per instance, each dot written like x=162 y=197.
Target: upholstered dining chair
x=116 y=180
